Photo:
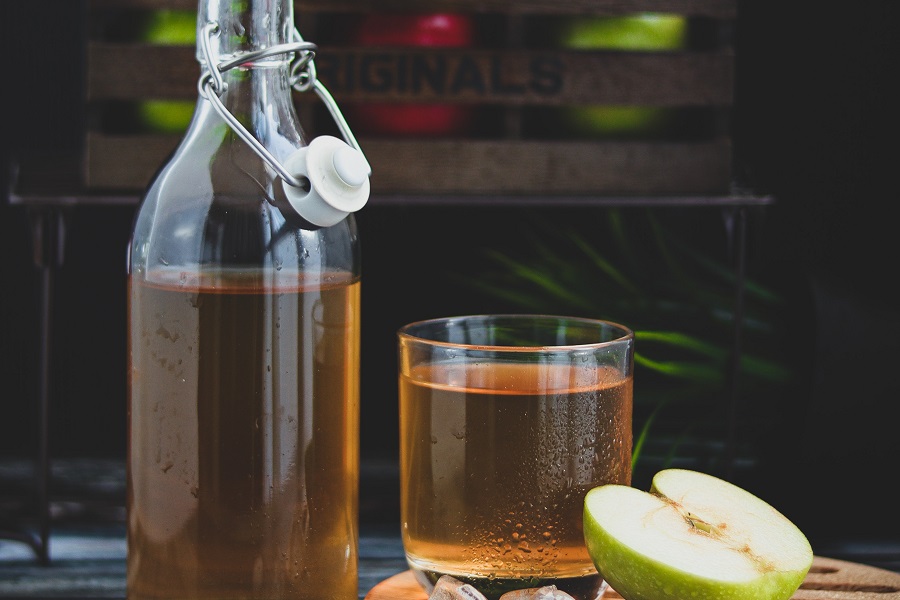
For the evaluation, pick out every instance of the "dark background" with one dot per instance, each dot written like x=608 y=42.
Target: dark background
x=815 y=125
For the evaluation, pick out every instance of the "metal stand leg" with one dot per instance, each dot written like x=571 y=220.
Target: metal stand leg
x=48 y=231
x=48 y=255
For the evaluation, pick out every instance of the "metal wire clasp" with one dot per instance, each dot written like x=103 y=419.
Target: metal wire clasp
x=212 y=85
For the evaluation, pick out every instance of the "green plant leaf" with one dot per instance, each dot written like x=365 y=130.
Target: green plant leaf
x=634 y=268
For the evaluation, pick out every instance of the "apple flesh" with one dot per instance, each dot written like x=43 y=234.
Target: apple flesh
x=693 y=536
x=641 y=32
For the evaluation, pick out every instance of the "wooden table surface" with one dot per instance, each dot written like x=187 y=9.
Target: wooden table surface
x=828 y=579
x=89 y=563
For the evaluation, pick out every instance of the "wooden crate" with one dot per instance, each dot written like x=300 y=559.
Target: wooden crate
x=508 y=155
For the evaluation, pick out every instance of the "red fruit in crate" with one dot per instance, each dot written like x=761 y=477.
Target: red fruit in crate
x=438 y=30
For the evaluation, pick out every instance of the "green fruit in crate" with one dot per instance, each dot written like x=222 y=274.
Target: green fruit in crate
x=171 y=28
x=642 y=32
x=615 y=120
x=693 y=536
x=166 y=116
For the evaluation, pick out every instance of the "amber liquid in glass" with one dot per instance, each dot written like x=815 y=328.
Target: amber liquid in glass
x=494 y=470
x=243 y=401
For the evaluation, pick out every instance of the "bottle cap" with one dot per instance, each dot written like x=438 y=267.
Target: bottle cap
x=338 y=176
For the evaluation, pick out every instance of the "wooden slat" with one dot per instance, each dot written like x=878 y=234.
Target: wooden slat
x=59 y=181
x=134 y=71
x=526 y=77
x=720 y=9
x=95 y=5
x=474 y=167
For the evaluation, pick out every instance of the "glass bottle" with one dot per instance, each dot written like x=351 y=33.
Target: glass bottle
x=243 y=455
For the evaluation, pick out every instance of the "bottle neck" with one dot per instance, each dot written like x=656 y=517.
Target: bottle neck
x=258 y=94
x=245 y=25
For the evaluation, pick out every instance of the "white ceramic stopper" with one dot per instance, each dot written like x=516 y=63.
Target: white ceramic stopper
x=338 y=180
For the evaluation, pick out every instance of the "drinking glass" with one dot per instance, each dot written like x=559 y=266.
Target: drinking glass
x=506 y=422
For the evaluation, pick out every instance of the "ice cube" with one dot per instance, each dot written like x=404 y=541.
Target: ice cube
x=548 y=592
x=450 y=588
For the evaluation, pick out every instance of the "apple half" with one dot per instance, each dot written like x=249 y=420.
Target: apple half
x=693 y=536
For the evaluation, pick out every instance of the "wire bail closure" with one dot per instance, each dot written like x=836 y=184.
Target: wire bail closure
x=211 y=86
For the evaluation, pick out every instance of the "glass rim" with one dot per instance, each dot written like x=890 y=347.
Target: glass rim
x=625 y=334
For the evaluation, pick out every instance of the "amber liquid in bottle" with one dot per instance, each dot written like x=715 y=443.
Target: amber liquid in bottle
x=240 y=458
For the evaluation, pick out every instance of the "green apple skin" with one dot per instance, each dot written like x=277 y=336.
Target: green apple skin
x=640 y=32
x=166 y=116
x=668 y=558
x=637 y=32
x=171 y=28
x=624 y=121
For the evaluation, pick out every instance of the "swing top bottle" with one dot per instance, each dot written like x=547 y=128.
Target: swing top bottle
x=243 y=455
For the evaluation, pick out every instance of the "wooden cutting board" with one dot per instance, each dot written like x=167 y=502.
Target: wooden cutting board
x=828 y=579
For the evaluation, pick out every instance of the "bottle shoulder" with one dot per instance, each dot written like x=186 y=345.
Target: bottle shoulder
x=218 y=201
x=184 y=219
